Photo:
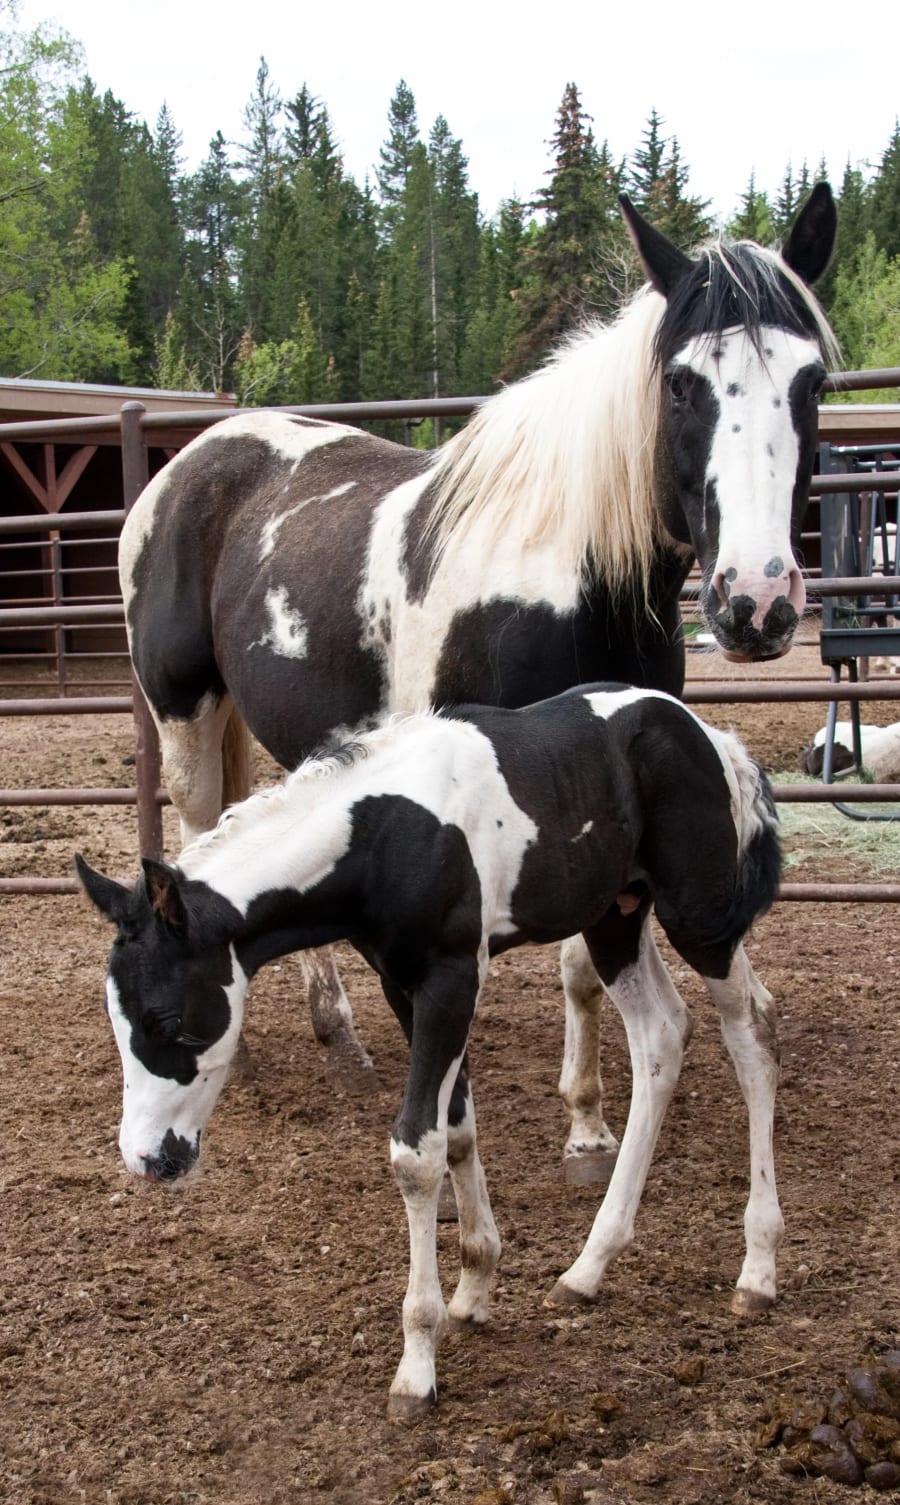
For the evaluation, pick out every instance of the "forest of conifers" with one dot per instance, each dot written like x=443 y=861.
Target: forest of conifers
x=271 y=273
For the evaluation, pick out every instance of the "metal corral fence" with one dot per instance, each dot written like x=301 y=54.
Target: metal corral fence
x=136 y=429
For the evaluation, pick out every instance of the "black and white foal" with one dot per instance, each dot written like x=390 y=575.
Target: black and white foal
x=431 y=844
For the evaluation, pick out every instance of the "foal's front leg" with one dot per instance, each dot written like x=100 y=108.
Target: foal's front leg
x=442 y=1010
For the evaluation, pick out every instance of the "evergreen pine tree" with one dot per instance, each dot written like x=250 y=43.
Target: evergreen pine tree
x=396 y=154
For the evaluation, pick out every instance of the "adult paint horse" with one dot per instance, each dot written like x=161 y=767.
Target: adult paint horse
x=433 y=843
x=304 y=579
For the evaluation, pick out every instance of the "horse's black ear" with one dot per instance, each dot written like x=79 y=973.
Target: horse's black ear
x=811 y=241
x=110 y=897
x=163 y=894
x=664 y=264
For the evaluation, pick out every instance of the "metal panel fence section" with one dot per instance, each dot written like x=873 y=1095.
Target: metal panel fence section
x=135 y=425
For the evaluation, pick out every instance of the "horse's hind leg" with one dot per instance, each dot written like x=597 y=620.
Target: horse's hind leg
x=192 y=763
x=479 y=1241
x=349 y=1063
x=749 y=1029
x=590 y=1150
x=657 y=1026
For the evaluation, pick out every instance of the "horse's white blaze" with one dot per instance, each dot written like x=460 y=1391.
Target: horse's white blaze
x=154 y=1105
x=526 y=572
x=753 y=459
x=287 y=634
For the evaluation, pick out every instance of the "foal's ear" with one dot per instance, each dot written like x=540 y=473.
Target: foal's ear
x=111 y=898
x=163 y=894
x=662 y=261
x=811 y=241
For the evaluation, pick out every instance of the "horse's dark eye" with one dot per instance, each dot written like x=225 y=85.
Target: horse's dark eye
x=677 y=386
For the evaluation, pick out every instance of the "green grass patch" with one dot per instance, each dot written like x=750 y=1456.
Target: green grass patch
x=812 y=832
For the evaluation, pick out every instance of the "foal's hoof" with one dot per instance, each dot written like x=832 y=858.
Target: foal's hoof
x=563 y=1296
x=590 y=1168
x=750 y=1303
x=407 y=1410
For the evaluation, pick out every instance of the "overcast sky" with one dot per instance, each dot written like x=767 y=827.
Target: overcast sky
x=802 y=82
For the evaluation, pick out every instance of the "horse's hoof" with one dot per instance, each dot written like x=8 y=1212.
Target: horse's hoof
x=564 y=1296
x=590 y=1168
x=407 y=1410
x=464 y=1324
x=447 y=1210
x=750 y=1303
x=350 y=1072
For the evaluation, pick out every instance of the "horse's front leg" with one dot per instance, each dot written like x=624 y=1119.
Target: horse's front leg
x=749 y=1024
x=590 y=1150
x=656 y=1023
x=442 y=1010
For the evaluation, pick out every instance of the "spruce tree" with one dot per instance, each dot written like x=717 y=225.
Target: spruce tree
x=396 y=154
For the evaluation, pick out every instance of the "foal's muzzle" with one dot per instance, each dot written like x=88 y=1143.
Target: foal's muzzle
x=175 y=1158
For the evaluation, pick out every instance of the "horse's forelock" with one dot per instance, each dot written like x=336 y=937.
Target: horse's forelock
x=740 y=285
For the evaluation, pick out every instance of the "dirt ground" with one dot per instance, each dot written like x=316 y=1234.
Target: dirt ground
x=232 y=1340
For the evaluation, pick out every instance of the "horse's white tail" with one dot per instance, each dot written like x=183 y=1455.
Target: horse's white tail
x=236 y=778
x=756 y=822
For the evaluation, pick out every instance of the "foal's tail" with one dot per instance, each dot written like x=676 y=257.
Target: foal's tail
x=759 y=849
x=236 y=781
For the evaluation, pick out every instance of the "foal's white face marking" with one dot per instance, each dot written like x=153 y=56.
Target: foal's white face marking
x=753 y=458
x=287 y=634
x=153 y=1105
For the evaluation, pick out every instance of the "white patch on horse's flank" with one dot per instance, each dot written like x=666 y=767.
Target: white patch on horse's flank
x=272 y=528
x=526 y=574
x=754 y=453
x=151 y=1104
x=287 y=634
x=585 y=830
x=290 y=437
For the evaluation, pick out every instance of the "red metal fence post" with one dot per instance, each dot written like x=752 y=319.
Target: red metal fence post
x=147 y=762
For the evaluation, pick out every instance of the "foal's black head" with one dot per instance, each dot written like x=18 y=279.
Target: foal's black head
x=174 y=993
x=742 y=349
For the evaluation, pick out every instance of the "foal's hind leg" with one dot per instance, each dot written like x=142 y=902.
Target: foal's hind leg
x=749 y=1029
x=657 y=1026
x=590 y=1150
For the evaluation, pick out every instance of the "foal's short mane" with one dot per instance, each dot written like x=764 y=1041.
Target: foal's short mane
x=566 y=456
x=238 y=819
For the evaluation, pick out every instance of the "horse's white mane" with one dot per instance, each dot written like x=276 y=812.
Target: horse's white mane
x=296 y=791
x=567 y=453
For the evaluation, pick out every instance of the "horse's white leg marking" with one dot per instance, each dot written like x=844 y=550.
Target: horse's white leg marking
x=192 y=764
x=332 y=1016
x=749 y=1029
x=479 y=1241
x=580 y=1085
x=657 y=1026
